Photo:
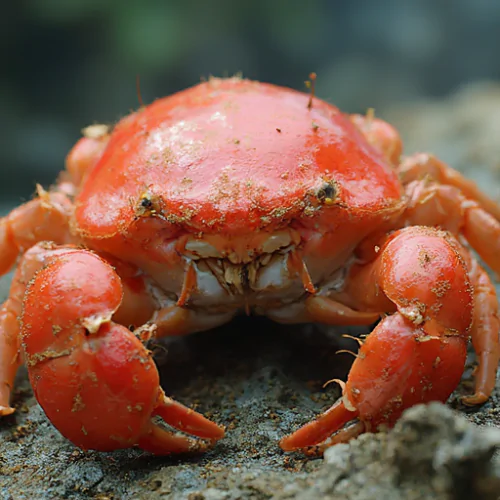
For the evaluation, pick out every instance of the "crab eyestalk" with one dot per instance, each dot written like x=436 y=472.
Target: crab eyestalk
x=94 y=379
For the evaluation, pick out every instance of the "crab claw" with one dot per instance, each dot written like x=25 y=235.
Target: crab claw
x=416 y=355
x=94 y=379
x=395 y=368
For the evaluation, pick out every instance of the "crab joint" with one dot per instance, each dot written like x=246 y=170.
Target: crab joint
x=94 y=322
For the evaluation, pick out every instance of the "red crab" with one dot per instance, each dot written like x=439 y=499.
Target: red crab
x=237 y=196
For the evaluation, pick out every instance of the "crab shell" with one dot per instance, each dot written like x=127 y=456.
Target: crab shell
x=233 y=170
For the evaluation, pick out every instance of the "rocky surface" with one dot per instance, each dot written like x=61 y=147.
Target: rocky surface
x=263 y=380
x=463 y=130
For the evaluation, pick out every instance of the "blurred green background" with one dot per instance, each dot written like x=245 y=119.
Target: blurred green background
x=67 y=64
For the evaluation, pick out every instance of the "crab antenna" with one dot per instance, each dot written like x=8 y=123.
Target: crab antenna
x=297 y=265
x=311 y=83
x=188 y=286
x=138 y=90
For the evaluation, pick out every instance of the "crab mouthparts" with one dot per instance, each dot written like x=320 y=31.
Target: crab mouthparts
x=245 y=266
x=239 y=250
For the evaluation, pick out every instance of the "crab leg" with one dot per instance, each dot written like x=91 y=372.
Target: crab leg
x=433 y=204
x=330 y=312
x=10 y=356
x=94 y=379
x=484 y=333
x=439 y=195
x=422 y=165
x=414 y=356
x=44 y=218
x=86 y=152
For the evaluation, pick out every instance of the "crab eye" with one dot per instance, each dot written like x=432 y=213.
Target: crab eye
x=146 y=203
x=327 y=193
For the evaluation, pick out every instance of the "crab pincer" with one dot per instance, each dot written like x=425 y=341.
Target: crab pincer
x=94 y=378
x=415 y=355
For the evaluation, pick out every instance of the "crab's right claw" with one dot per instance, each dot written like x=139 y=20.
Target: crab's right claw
x=94 y=379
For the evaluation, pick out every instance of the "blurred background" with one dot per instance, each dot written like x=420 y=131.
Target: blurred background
x=70 y=63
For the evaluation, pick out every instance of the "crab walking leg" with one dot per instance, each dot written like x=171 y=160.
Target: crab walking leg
x=439 y=195
x=484 y=333
x=174 y=321
x=44 y=218
x=423 y=165
x=83 y=157
x=86 y=152
x=433 y=204
x=325 y=310
x=414 y=356
x=10 y=356
x=94 y=379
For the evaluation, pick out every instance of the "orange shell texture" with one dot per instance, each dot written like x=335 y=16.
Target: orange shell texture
x=232 y=156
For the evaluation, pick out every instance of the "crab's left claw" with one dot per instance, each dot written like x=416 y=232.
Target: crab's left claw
x=416 y=355
x=327 y=429
x=395 y=369
x=95 y=380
